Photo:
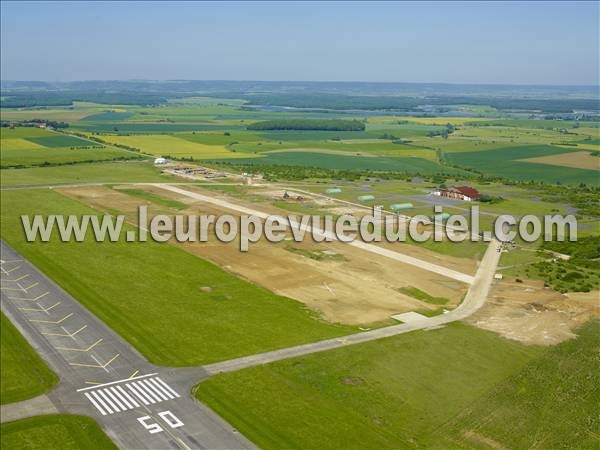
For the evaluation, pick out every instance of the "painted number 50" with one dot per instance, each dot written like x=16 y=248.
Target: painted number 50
x=167 y=416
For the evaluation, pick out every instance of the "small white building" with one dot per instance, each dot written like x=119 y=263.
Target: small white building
x=160 y=161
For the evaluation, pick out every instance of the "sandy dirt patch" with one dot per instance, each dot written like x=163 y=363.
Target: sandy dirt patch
x=577 y=160
x=530 y=313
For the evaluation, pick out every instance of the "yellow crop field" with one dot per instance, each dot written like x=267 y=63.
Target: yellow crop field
x=165 y=145
x=19 y=144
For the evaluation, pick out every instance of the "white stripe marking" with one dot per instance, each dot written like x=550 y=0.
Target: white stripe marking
x=142 y=392
x=134 y=392
x=154 y=389
x=167 y=387
x=120 y=397
x=108 y=400
x=133 y=402
x=98 y=407
x=156 y=398
x=118 y=403
x=114 y=382
x=97 y=397
x=167 y=393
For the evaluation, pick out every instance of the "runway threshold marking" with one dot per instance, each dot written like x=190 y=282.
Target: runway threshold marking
x=52 y=321
x=85 y=350
x=113 y=397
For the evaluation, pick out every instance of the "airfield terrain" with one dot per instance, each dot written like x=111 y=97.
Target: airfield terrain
x=297 y=344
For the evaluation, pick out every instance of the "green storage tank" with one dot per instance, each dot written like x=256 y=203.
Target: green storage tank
x=401 y=206
x=365 y=198
x=333 y=191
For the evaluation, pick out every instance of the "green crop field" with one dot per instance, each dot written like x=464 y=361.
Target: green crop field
x=108 y=116
x=148 y=128
x=116 y=280
x=392 y=393
x=57 y=140
x=113 y=172
x=551 y=403
x=339 y=161
x=503 y=162
x=55 y=432
x=23 y=374
x=40 y=157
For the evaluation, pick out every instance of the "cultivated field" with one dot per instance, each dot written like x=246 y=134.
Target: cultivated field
x=577 y=160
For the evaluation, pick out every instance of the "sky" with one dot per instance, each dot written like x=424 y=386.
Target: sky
x=472 y=42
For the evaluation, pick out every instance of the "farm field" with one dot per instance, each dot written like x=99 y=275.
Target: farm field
x=577 y=160
x=368 y=396
x=348 y=162
x=172 y=146
x=118 y=172
x=55 y=432
x=30 y=146
x=23 y=373
x=506 y=162
x=169 y=289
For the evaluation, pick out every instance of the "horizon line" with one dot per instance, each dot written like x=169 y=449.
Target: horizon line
x=148 y=80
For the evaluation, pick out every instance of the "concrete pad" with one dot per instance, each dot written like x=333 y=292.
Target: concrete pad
x=409 y=317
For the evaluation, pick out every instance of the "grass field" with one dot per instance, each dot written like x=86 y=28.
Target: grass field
x=551 y=403
x=391 y=393
x=117 y=280
x=23 y=374
x=55 y=432
x=150 y=197
x=348 y=162
x=58 y=140
x=117 y=172
x=146 y=128
x=56 y=156
x=503 y=162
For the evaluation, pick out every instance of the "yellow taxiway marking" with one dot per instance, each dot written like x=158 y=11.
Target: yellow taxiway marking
x=66 y=334
x=22 y=277
x=41 y=309
x=97 y=366
x=133 y=374
x=80 y=349
x=95 y=383
x=53 y=322
x=20 y=288
x=30 y=299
